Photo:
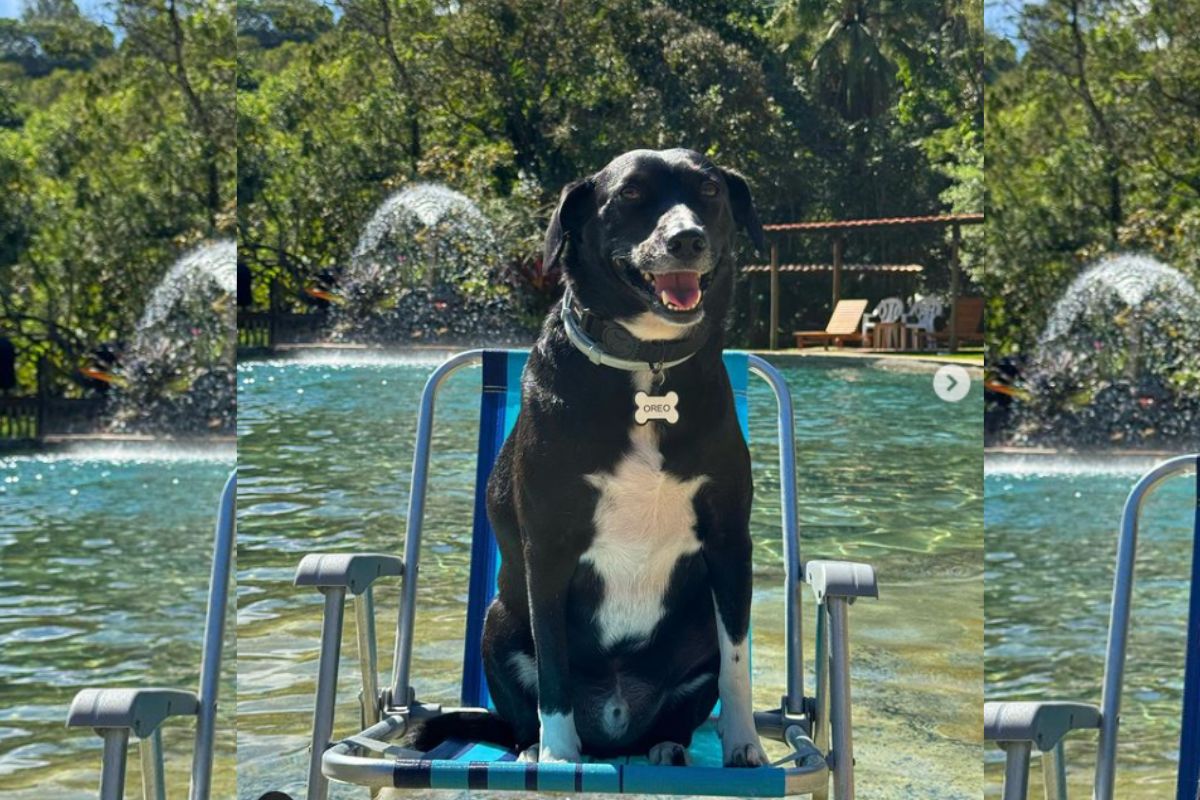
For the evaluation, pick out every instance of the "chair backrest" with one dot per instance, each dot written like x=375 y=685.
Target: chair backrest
x=970 y=315
x=1189 y=736
x=845 y=317
x=926 y=310
x=889 y=310
x=499 y=405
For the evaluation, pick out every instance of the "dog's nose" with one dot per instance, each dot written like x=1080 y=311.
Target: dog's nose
x=687 y=242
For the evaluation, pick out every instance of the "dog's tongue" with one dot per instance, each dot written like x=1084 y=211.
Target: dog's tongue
x=679 y=289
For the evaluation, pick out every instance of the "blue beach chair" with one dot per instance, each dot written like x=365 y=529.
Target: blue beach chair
x=817 y=728
x=114 y=712
x=1019 y=727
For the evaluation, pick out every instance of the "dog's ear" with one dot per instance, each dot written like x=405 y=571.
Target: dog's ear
x=574 y=204
x=742 y=205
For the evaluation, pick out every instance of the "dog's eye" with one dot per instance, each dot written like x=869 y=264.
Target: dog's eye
x=631 y=192
x=709 y=188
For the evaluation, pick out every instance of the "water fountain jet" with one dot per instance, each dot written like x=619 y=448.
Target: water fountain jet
x=178 y=374
x=424 y=268
x=1117 y=364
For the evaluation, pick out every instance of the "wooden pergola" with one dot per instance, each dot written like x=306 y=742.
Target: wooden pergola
x=839 y=228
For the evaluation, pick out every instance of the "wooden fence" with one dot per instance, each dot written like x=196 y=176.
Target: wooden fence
x=266 y=329
x=29 y=419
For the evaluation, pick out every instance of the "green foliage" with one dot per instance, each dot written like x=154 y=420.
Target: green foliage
x=508 y=100
x=108 y=171
x=1093 y=146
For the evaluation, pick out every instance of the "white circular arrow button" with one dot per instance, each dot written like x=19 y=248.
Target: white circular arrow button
x=951 y=383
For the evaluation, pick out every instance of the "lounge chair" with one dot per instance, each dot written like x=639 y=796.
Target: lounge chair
x=1018 y=727
x=843 y=328
x=968 y=323
x=114 y=712
x=815 y=728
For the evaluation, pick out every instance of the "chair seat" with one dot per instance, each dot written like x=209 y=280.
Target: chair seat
x=459 y=764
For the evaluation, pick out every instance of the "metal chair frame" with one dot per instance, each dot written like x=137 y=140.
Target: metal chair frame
x=1018 y=727
x=115 y=713
x=818 y=728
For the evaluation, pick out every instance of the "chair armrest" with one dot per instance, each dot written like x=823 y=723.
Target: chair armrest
x=846 y=579
x=1043 y=723
x=353 y=571
x=139 y=710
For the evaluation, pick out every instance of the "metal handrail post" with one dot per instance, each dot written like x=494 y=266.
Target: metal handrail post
x=150 y=749
x=1016 y=770
x=112 y=767
x=364 y=625
x=841 y=724
x=1054 y=772
x=793 y=569
x=820 y=721
x=214 y=640
x=327 y=675
x=1118 y=627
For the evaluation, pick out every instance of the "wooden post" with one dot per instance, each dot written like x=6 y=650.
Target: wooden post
x=272 y=312
x=43 y=398
x=755 y=312
x=774 y=338
x=955 y=241
x=839 y=247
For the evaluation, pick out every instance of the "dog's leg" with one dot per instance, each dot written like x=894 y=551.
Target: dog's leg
x=730 y=572
x=550 y=576
x=511 y=673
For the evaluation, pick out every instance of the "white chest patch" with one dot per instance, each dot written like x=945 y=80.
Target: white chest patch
x=645 y=522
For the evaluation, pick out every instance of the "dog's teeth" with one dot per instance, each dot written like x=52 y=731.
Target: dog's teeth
x=648 y=277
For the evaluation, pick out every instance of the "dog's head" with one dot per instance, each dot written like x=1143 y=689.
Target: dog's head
x=648 y=240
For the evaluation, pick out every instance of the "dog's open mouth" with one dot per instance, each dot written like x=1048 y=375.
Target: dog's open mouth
x=677 y=292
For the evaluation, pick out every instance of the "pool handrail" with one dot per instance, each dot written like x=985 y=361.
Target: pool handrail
x=824 y=718
x=115 y=713
x=1018 y=726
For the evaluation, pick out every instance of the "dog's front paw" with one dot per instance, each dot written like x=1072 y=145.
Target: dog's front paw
x=550 y=755
x=669 y=754
x=739 y=743
x=529 y=755
x=745 y=754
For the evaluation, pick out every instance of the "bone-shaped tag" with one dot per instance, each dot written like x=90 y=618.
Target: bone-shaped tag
x=648 y=408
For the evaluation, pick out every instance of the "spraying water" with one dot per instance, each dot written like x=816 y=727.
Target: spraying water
x=423 y=268
x=178 y=375
x=1118 y=362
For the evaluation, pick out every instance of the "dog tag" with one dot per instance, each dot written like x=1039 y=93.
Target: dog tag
x=649 y=407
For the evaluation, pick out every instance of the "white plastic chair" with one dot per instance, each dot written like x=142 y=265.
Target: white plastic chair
x=920 y=320
x=884 y=320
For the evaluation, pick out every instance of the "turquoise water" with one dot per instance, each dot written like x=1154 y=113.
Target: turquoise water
x=104 y=562
x=1051 y=545
x=887 y=474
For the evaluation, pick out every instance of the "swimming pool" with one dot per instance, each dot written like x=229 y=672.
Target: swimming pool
x=887 y=474
x=104 y=564
x=1052 y=527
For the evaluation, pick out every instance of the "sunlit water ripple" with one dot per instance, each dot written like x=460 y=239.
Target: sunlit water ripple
x=104 y=561
x=1052 y=527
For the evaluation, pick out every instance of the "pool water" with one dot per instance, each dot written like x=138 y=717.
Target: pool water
x=887 y=474
x=1052 y=529
x=104 y=567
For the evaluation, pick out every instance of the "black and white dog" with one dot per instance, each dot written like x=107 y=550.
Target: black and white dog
x=621 y=501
